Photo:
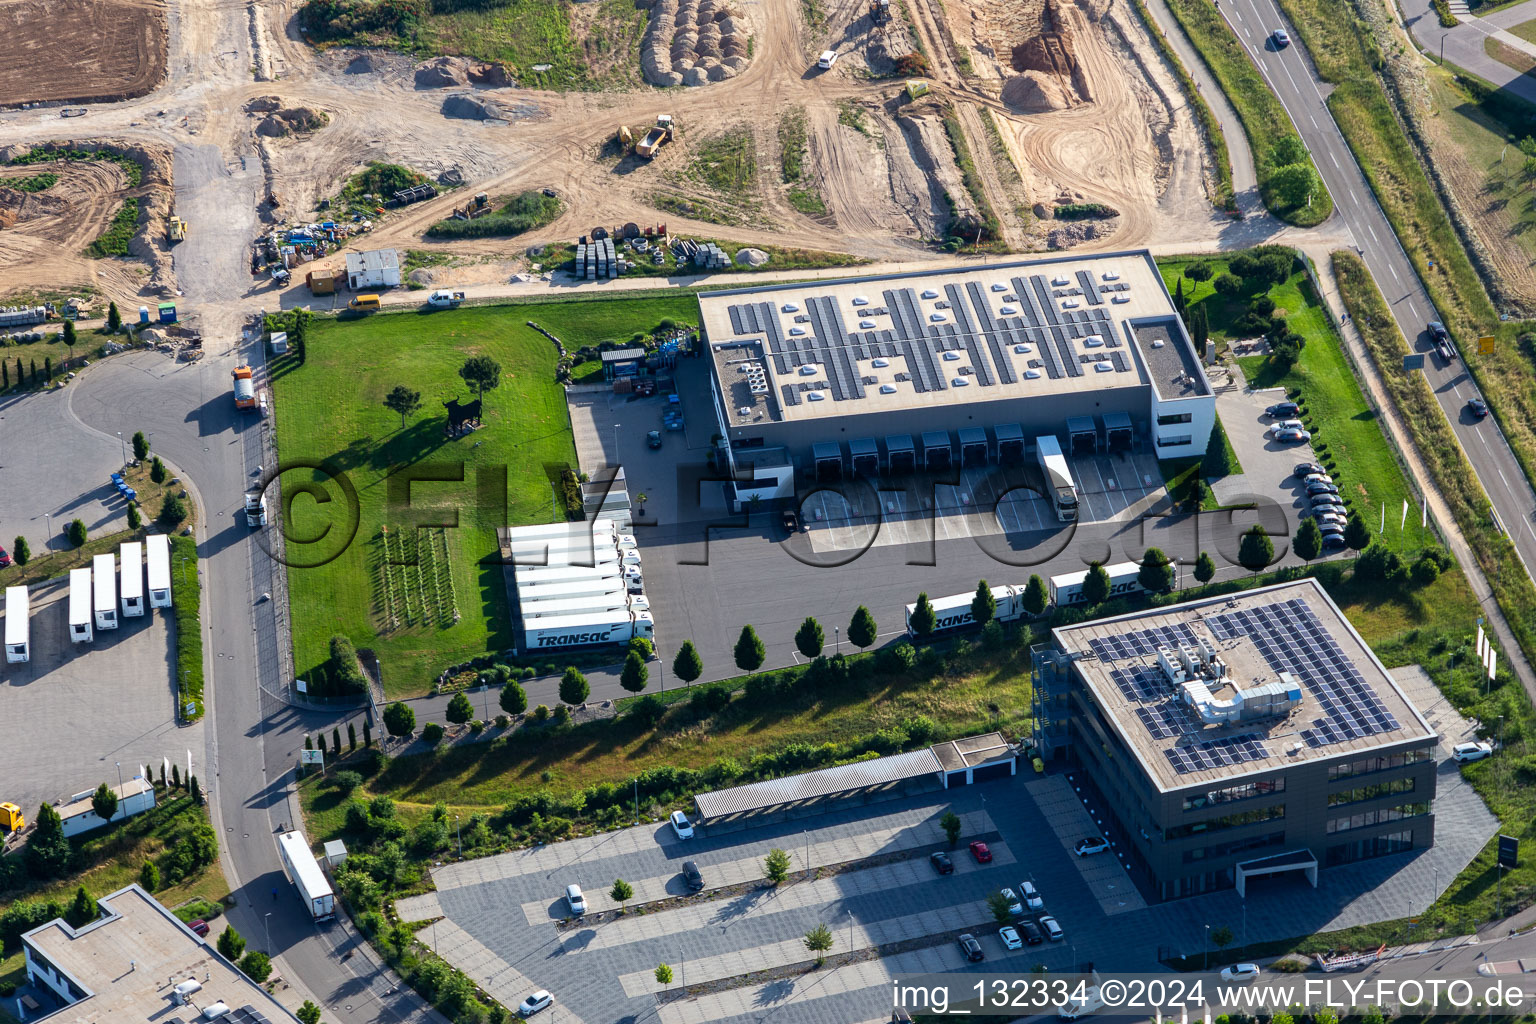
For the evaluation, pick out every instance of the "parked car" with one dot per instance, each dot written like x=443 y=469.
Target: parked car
x=1317 y=478
x=199 y=926
x=1476 y=406
x=1032 y=898
x=1281 y=410
x=1091 y=845
x=1306 y=469
x=1052 y=929
x=1281 y=38
x=941 y=863
x=575 y=900
x=1288 y=425
x=790 y=519
x=980 y=851
x=1333 y=541
x=1032 y=933
x=1331 y=530
x=1437 y=331
x=1240 y=972
x=970 y=947
x=691 y=876
x=1015 y=907
x=1010 y=936
x=540 y=1000
x=5 y=558
x=1468 y=752
x=1322 y=488
x=653 y=439
x=681 y=825
x=1291 y=436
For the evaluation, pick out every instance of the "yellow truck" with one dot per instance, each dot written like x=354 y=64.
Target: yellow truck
x=364 y=303
x=656 y=137
x=11 y=819
x=177 y=230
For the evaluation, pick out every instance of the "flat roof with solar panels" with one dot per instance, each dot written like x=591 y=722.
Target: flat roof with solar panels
x=1234 y=685
x=827 y=349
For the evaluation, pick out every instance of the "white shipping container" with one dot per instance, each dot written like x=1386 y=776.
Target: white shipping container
x=587 y=630
x=132 y=578
x=18 y=625
x=80 y=631
x=585 y=557
x=104 y=584
x=954 y=612
x=158 y=547
x=1067 y=589
x=562 y=591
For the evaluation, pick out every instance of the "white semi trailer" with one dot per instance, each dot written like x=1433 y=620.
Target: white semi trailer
x=563 y=590
x=18 y=625
x=131 y=578
x=587 y=630
x=158 y=546
x=104 y=584
x=1067 y=589
x=80 y=631
x=531 y=575
x=954 y=612
x=1059 y=488
x=306 y=875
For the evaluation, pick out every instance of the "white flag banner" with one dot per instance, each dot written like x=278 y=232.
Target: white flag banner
x=165 y=768
x=1493 y=664
x=1482 y=645
x=189 y=767
x=1383 y=528
x=1404 y=521
x=1424 y=517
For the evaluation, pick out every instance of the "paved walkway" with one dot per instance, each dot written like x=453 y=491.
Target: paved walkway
x=1070 y=821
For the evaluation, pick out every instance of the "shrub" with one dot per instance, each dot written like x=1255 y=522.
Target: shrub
x=347 y=782
x=1227 y=284
x=343 y=674
x=399 y=719
x=172 y=512
x=708 y=700
x=256 y=965
x=432 y=733
x=647 y=711
x=75 y=532
x=541 y=713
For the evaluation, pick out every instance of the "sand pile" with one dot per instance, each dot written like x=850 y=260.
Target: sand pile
x=751 y=257
x=442 y=72
x=367 y=63
x=692 y=42
x=264 y=104
x=290 y=121
x=1035 y=92
x=473 y=108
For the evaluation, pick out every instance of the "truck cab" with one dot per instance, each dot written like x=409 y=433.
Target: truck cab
x=255 y=509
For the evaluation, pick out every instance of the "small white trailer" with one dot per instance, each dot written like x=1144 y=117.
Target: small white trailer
x=131 y=581
x=532 y=574
x=80 y=631
x=18 y=625
x=304 y=871
x=562 y=590
x=158 y=547
x=104 y=585
x=607 y=604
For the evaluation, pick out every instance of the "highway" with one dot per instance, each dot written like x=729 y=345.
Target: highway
x=1303 y=95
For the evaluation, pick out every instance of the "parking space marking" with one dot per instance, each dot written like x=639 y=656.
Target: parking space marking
x=720 y=915
x=488 y=970
x=1070 y=821
x=750 y=869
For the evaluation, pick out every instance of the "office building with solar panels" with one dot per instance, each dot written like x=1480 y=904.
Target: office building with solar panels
x=1239 y=737
x=959 y=367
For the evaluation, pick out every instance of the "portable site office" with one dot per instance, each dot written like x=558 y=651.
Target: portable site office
x=104 y=584
x=18 y=627
x=158 y=547
x=80 y=606
x=132 y=581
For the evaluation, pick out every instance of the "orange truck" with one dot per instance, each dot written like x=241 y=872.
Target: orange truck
x=245 y=388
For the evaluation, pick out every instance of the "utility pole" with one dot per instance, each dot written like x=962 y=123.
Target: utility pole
x=266 y=923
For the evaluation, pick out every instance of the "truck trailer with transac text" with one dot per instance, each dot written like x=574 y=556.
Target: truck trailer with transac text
x=587 y=630
x=954 y=612
x=1067 y=589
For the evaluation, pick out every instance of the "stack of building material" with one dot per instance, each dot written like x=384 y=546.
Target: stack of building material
x=597 y=259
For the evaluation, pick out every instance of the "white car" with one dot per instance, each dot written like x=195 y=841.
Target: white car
x=533 y=1004
x=1032 y=898
x=681 y=825
x=1010 y=936
x=575 y=900
x=1014 y=906
x=1240 y=972
x=1091 y=845
x=826 y=60
x=1465 y=752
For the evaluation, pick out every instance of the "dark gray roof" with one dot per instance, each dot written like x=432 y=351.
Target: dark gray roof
x=826 y=782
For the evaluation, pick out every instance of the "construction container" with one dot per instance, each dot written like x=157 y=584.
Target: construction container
x=143 y=315
x=167 y=312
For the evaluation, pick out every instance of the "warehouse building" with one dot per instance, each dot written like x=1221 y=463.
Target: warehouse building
x=958 y=367
x=1238 y=737
x=136 y=963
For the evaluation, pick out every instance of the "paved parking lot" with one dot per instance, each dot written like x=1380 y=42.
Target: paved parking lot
x=496 y=917
x=110 y=700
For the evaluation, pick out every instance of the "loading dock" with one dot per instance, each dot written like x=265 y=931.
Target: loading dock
x=1082 y=435
x=937 y=453
x=1010 y=444
x=900 y=454
x=828 y=456
x=973 y=446
x=866 y=456
x=1118 y=434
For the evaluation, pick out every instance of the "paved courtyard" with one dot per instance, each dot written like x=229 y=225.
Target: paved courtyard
x=111 y=701
x=497 y=917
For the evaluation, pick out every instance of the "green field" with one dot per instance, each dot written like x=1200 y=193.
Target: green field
x=331 y=408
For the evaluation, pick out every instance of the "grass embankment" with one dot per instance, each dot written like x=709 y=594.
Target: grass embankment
x=1007 y=170
x=793 y=146
x=186 y=599
x=523 y=212
x=594 y=49
x=114 y=240
x=1525 y=30
x=48 y=153
x=1264 y=119
x=331 y=407
x=1223 y=198
x=1509 y=56
x=989 y=231
x=379 y=180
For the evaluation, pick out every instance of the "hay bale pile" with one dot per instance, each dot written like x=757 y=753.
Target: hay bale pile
x=694 y=42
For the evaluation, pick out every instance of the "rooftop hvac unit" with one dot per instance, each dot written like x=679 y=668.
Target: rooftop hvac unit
x=186 y=990
x=1058 y=281
x=1093 y=341
x=217 y=1010
x=744 y=410
x=1110 y=275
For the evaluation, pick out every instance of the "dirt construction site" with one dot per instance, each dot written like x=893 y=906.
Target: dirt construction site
x=1019 y=108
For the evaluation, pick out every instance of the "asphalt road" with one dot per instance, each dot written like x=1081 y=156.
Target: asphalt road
x=1290 y=74
x=1463 y=45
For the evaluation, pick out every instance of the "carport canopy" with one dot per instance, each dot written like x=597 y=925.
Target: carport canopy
x=1010 y=442
x=848 y=779
x=1114 y=421
x=863 y=447
x=1081 y=425
x=1295 y=860
x=827 y=450
x=933 y=439
x=970 y=436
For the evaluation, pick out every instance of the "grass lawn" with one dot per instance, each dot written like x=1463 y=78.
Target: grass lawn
x=1509 y=56
x=1525 y=30
x=332 y=408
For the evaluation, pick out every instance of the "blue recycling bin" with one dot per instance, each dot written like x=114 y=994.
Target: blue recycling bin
x=117 y=479
x=130 y=494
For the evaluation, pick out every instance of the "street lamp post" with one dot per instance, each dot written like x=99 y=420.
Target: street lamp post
x=460 y=833
x=1207 y=948
x=124 y=446
x=850 y=931
x=807 y=834
x=615 y=444
x=266 y=923
x=837 y=639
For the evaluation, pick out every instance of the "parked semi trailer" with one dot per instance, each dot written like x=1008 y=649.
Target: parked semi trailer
x=1059 y=487
x=587 y=630
x=1067 y=589
x=954 y=612
x=306 y=875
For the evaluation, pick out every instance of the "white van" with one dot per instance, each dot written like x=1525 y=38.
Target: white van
x=828 y=58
